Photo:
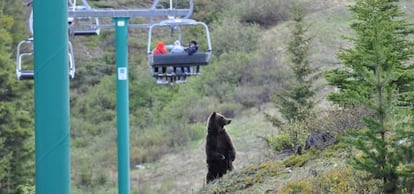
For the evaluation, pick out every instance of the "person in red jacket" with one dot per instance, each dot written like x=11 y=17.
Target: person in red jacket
x=160 y=49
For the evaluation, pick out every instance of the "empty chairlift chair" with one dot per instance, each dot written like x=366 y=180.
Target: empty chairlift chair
x=83 y=26
x=86 y=26
x=24 y=74
x=178 y=60
x=25 y=50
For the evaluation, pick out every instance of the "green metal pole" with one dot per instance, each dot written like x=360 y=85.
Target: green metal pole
x=121 y=43
x=52 y=131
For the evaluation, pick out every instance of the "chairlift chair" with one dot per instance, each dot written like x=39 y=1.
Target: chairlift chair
x=23 y=74
x=86 y=27
x=83 y=26
x=177 y=60
x=28 y=74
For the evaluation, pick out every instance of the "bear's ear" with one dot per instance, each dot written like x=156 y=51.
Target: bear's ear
x=213 y=115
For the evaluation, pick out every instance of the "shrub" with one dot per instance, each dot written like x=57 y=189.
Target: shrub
x=251 y=96
x=280 y=142
x=298 y=160
x=232 y=36
x=197 y=131
x=263 y=12
x=244 y=178
x=332 y=121
x=85 y=175
x=229 y=109
x=291 y=135
x=149 y=144
x=338 y=120
x=338 y=180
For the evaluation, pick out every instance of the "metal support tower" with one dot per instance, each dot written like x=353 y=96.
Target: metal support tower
x=52 y=131
x=121 y=45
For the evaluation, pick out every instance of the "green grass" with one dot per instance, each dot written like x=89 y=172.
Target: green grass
x=272 y=175
x=327 y=26
x=184 y=170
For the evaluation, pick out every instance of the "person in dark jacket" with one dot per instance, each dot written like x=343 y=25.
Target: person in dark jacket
x=193 y=48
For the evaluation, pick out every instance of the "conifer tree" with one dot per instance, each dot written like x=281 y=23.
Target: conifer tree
x=16 y=113
x=296 y=102
x=376 y=75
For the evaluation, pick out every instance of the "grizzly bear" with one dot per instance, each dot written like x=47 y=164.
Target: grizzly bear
x=219 y=148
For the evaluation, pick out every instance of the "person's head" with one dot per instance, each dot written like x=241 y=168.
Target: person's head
x=193 y=43
x=160 y=44
x=177 y=43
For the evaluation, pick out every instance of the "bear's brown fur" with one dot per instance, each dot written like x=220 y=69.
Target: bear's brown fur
x=219 y=147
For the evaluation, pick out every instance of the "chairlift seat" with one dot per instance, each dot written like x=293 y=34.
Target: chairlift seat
x=26 y=75
x=86 y=32
x=178 y=60
x=29 y=75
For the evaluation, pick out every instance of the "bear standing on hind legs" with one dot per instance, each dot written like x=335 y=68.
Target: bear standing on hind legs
x=219 y=148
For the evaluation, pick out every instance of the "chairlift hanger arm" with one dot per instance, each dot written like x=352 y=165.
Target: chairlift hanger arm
x=129 y=13
x=191 y=8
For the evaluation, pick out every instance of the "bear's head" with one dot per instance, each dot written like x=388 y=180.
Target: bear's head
x=216 y=122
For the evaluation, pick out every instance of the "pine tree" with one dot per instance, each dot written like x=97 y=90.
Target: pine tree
x=391 y=27
x=377 y=76
x=296 y=102
x=16 y=113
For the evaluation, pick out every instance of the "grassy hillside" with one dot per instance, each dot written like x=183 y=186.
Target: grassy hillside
x=316 y=171
x=184 y=171
x=258 y=168
x=167 y=123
